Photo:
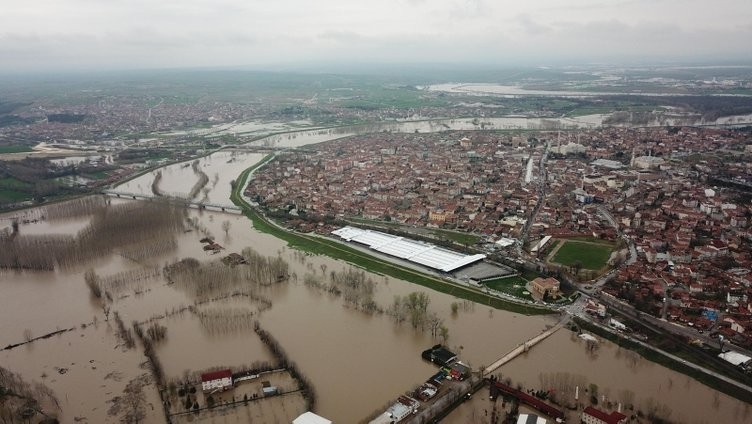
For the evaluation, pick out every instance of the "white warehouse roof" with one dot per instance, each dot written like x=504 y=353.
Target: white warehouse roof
x=310 y=418
x=425 y=254
x=735 y=358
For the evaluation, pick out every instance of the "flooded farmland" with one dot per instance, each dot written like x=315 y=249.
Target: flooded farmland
x=356 y=360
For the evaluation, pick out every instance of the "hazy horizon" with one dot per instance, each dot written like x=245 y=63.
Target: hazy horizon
x=51 y=35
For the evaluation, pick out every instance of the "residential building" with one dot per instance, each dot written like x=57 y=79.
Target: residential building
x=542 y=285
x=217 y=381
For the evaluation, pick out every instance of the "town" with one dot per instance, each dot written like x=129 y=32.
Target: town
x=673 y=196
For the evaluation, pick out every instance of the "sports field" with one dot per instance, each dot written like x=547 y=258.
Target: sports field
x=592 y=255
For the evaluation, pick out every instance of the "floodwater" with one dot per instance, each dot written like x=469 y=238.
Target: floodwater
x=305 y=137
x=357 y=362
x=318 y=332
x=84 y=368
x=245 y=128
x=61 y=226
x=511 y=90
x=178 y=179
x=616 y=370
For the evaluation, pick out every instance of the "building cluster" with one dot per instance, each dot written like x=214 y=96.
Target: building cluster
x=467 y=181
x=679 y=197
x=406 y=405
x=100 y=119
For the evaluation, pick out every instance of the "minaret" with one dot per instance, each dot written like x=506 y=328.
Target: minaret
x=631 y=162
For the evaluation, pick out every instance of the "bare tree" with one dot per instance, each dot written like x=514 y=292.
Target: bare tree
x=92 y=281
x=135 y=402
x=444 y=334
x=434 y=322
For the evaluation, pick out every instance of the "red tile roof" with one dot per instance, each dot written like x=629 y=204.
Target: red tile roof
x=216 y=375
x=612 y=418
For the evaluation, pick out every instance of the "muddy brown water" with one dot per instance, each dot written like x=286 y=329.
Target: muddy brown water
x=356 y=362
x=614 y=370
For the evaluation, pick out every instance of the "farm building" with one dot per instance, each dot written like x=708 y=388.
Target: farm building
x=217 y=381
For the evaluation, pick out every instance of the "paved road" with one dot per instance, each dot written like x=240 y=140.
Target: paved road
x=542 y=182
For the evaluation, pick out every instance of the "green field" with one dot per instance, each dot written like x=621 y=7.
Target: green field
x=515 y=286
x=13 y=190
x=591 y=255
x=15 y=149
x=13 y=196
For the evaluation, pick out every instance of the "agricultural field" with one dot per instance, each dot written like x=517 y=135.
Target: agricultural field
x=591 y=255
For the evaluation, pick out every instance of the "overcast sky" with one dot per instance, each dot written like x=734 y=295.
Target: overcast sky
x=113 y=34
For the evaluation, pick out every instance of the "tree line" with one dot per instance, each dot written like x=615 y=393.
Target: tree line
x=309 y=394
x=132 y=223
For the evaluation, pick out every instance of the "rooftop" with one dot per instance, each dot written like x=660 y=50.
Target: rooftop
x=425 y=254
x=612 y=418
x=216 y=375
x=310 y=418
x=530 y=419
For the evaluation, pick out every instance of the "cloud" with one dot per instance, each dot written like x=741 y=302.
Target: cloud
x=246 y=32
x=532 y=27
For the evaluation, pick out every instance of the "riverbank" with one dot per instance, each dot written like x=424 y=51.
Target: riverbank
x=337 y=250
x=654 y=355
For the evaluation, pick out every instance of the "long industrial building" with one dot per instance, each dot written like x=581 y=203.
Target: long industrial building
x=425 y=254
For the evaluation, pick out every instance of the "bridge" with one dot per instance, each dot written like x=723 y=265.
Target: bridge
x=174 y=200
x=524 y=347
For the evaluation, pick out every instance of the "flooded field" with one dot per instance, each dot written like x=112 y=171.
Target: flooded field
x=87 y=371
x=356 y=358
x=319 y=332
